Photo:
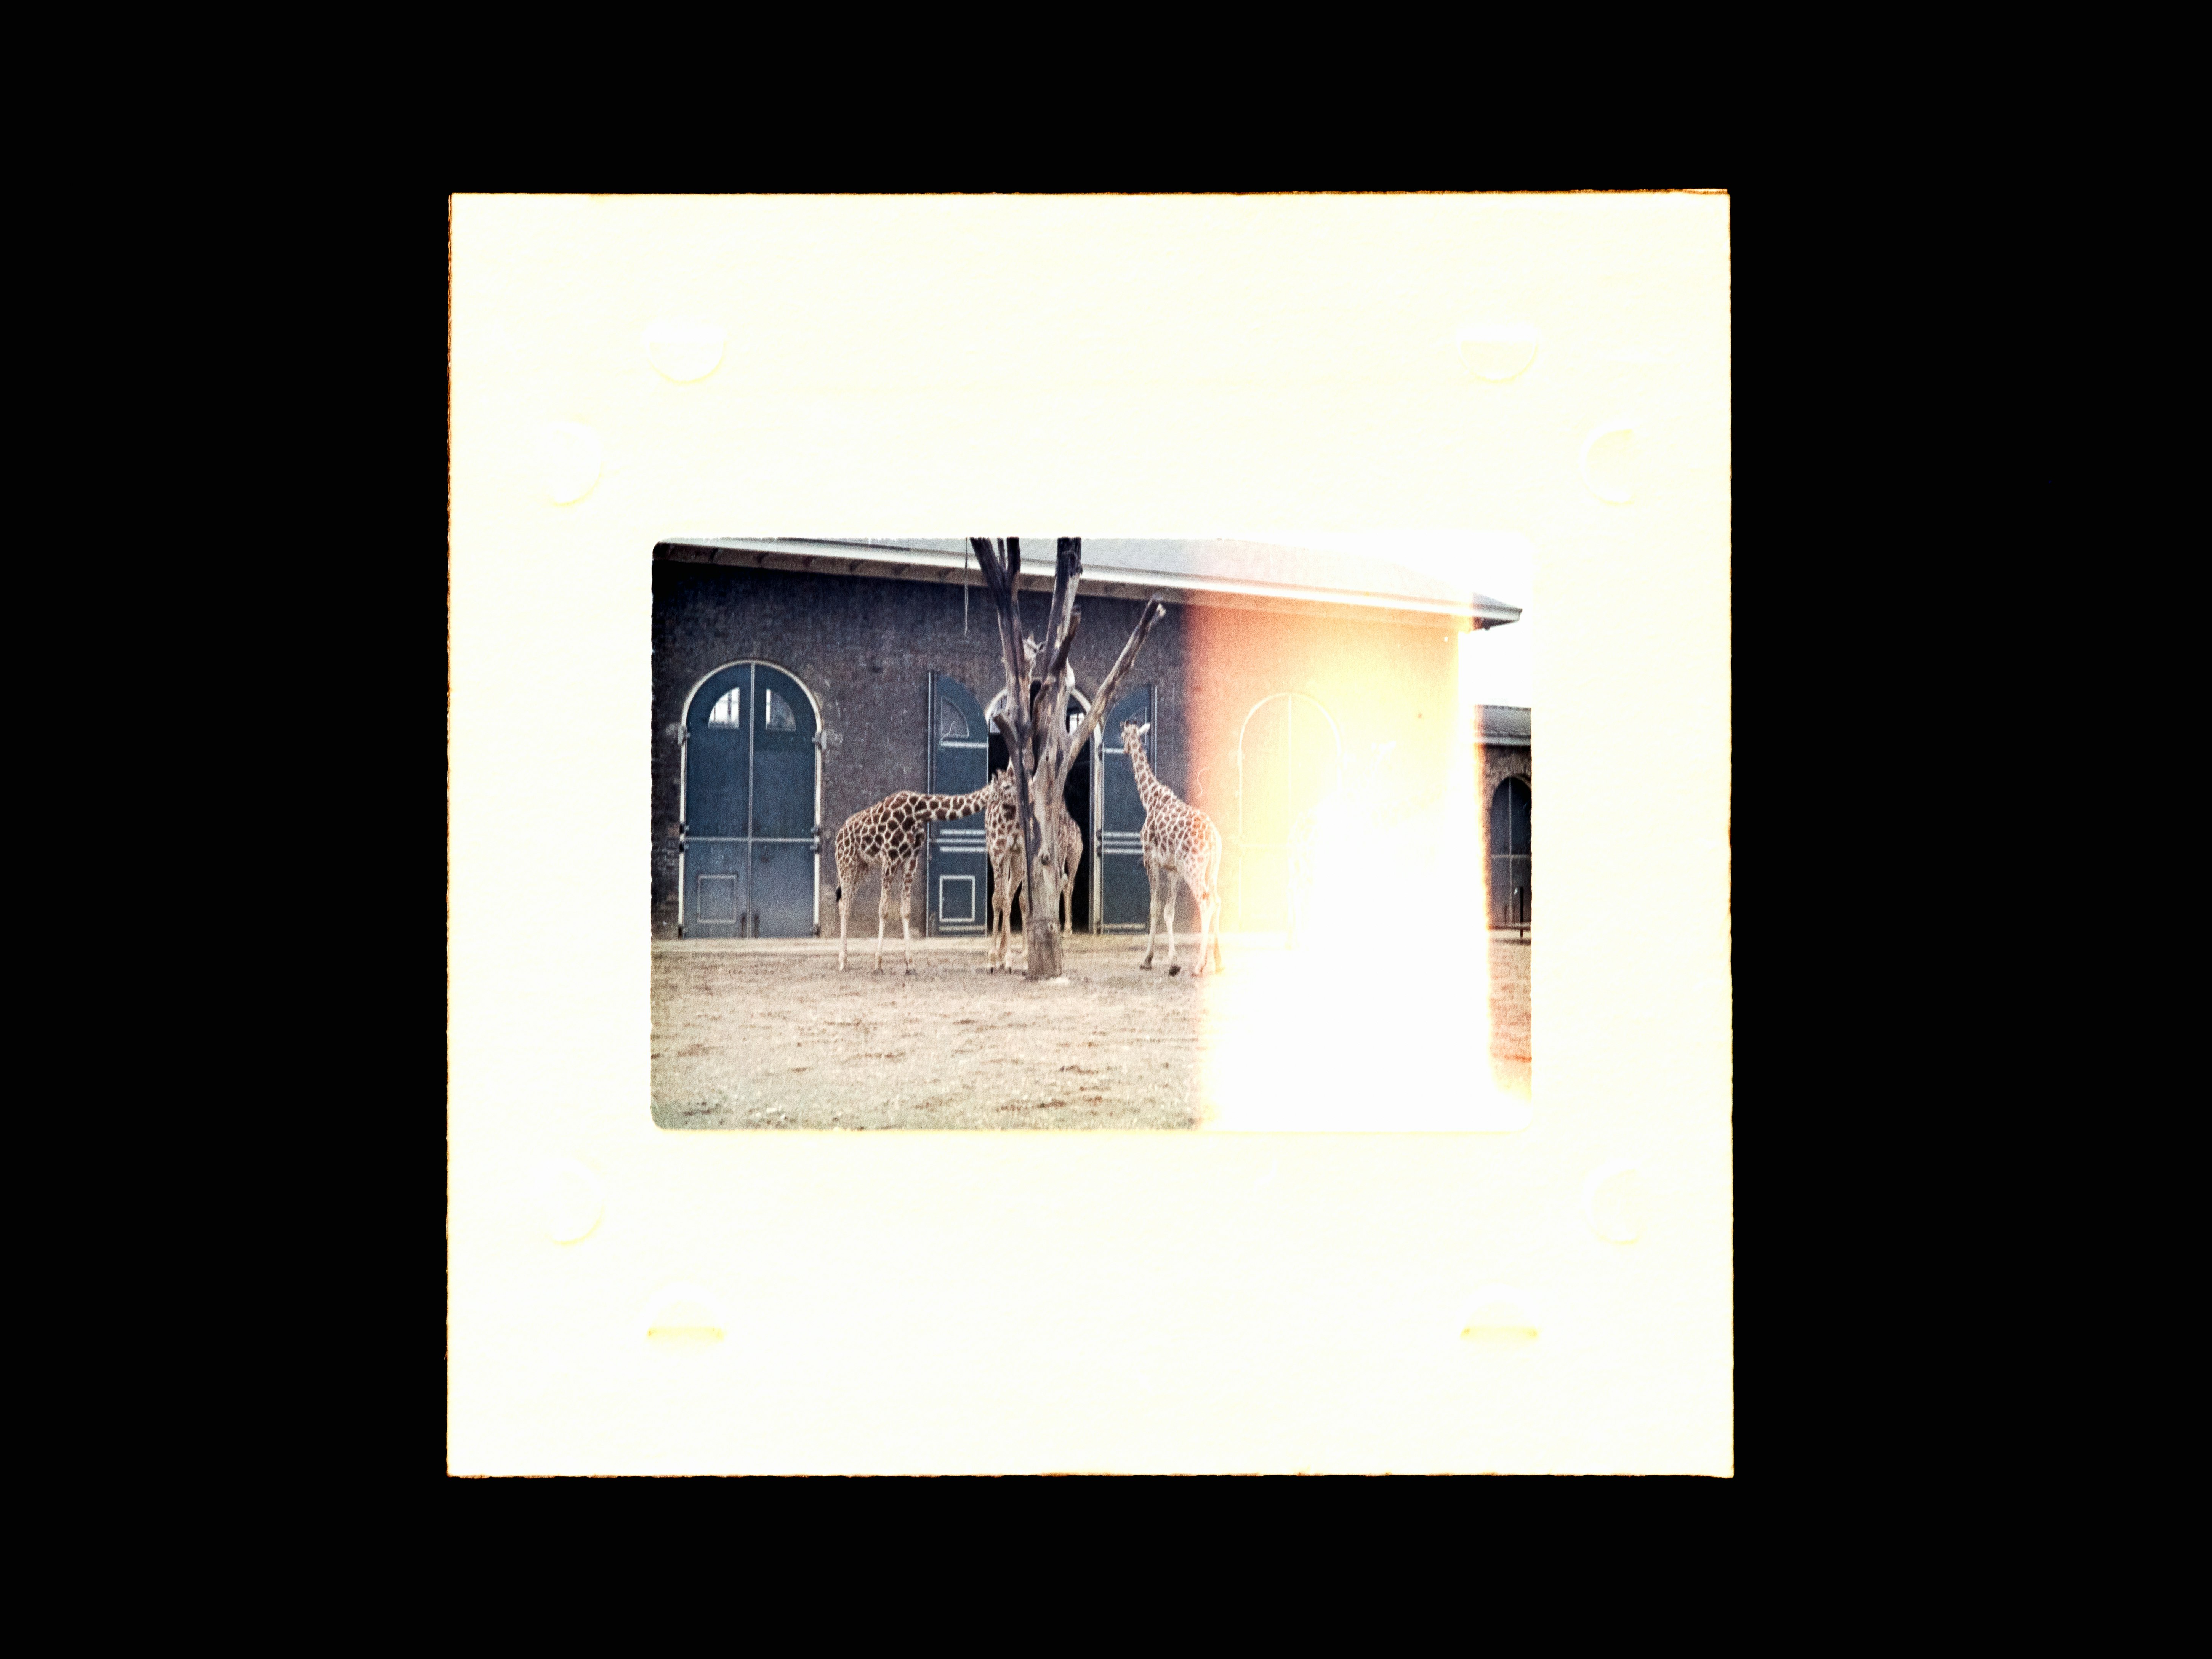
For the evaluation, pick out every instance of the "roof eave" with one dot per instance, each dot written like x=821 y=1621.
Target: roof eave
x=929 y=565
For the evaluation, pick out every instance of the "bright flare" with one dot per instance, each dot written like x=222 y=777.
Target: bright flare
x=1379 y=1019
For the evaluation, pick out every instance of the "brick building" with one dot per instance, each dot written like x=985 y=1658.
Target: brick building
x=795 y=683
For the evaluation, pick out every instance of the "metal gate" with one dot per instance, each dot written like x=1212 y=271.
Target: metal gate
x=752 y=785
x=1508 y=854
x=1125 y=898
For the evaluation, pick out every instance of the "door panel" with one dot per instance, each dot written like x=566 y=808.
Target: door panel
x=1288 y=762
x=1127 y=893
x=717 y=773
x=1126 y=897
x=959 y=750
x=718 y=903
x=782 y=727
x=1264 y=775
x=782 y=900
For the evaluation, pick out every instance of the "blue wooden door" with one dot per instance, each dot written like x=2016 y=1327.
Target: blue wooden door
x=1124 y=896
x=1509 y=869
x=958 y=875
x=750 y=840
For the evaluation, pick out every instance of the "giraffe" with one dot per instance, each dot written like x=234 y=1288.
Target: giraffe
x=1002 y=841
x=889 y=835
x=1180 y=844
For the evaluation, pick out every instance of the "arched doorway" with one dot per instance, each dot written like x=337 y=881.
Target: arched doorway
x=751 y=793
x=1077 y=798
x=1508 y=854
x=1289 y=759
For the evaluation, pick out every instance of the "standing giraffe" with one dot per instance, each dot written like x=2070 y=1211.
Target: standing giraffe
x=1002 y=842
x=889 y=835
x=1180 y=844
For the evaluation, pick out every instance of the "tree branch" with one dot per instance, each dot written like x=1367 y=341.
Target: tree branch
x=1066 y=572
x=1155 y=608
x=1033 y=723
x=1015 y=725
x=1066 y=644
x=999 y=576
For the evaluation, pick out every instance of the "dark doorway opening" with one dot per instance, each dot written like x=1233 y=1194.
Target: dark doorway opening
x=1511 y=900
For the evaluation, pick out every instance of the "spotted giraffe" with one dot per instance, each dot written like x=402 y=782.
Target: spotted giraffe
x=889 y=837
x=1002 y=841
x=1180 y=844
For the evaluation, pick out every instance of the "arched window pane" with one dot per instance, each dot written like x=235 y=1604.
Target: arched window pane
x=951 y=722
x=729 y=711
x=775 y=711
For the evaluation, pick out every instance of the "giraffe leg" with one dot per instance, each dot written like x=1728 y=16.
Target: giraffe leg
x=998 y=918
x=883 y=914
x=1152 y=925
x=1210 y=909
x=1004 y=898
x=1208 y=940
x=844 y=910
x=1169 y=878
x=906 y=913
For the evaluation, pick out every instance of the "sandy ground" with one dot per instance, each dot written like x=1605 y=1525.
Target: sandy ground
x=767 y=1034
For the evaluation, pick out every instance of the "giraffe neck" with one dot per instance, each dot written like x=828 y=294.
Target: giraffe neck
x=938 y=808
x=1153 y=793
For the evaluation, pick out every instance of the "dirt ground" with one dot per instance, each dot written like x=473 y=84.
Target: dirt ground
x=767 y=1034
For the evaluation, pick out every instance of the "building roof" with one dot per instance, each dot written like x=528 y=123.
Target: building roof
x=1505 y=729
x=1251 y=575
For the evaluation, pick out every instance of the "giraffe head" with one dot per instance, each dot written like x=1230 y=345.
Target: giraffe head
x=1133 y=732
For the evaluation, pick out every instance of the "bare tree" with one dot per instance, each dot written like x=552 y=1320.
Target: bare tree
x=1039 y=745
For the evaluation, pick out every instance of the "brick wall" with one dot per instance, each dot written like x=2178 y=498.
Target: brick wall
x=865 y=649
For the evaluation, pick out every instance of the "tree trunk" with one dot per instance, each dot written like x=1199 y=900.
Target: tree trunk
x=1041 y=920
x=1040 y=748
